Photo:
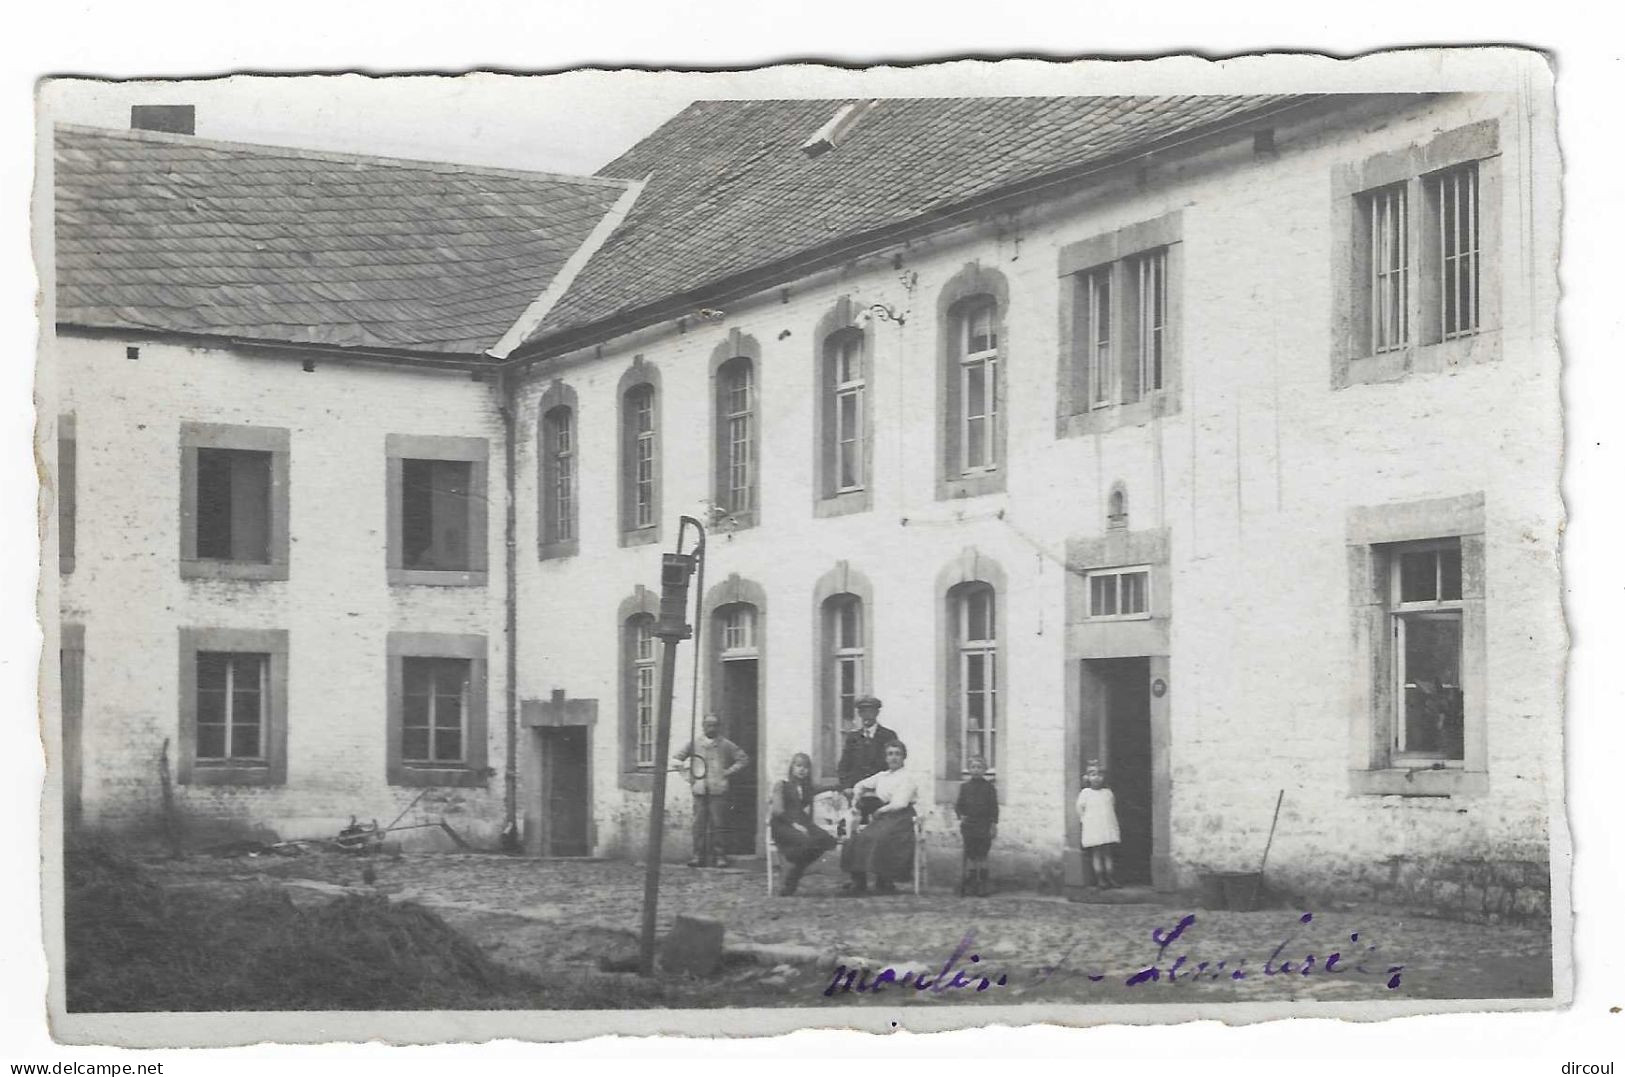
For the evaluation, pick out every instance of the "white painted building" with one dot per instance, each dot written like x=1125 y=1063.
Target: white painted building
x=1210 y=438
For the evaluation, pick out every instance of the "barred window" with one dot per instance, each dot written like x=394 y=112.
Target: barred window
x=1385 y=219
x=1453 y=203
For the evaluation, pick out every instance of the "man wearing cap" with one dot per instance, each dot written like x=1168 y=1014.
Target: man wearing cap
x=864 y=752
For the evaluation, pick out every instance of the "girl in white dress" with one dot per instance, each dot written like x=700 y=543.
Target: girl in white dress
x=1097 y=818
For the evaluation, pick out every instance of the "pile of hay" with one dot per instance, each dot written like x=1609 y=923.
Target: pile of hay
x=133 y=945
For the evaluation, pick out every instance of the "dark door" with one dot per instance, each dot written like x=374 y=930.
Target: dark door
x=1128 y=762
x=565 y=811
x=73 y=704
x=739 y=724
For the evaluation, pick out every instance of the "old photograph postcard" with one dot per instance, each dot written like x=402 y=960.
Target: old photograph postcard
x=646 y=551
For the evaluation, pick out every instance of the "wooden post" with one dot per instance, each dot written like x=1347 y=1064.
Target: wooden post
x=657 y=808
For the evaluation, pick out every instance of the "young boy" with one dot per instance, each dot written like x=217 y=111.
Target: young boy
x=978 y=810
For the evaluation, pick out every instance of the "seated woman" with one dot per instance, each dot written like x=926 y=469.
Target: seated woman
x=799 y=839
x=884 y=848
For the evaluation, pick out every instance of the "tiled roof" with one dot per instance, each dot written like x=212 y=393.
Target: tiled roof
x=731 y=190
x=180 y=234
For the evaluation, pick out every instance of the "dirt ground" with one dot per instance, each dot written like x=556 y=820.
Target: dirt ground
x=562 y=918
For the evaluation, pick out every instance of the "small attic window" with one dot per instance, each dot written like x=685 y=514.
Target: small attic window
x=839 y=125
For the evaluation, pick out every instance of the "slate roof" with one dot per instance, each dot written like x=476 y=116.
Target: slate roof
x=189 y=235
x=731 y=190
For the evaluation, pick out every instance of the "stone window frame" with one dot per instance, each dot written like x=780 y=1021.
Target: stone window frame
x=556 y=397
x=1115 y=253
x=475 y=451
x=842 y=318
x=1373 y=535
x=840 y=581
x=474 y=771
x=268 y=439
x=640 y=374
x=735 y=591
x=67 y=492
x=1351 y=361
x=642 y=602
x=269 y=641
x=970 y=568
x=737 y=345
x=971 y=283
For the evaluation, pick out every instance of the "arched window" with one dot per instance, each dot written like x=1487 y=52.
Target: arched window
x=845 y=673
x=557 y=446
x=640 y=458
x=643 y=673
x=846 y=383
x=971 y=397
x=1117 y=508
x=974 y=617
x=639 y=681
x=736 y=437
x=976 y=352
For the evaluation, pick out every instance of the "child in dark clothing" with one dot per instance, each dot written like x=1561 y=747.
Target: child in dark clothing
x=978 y=811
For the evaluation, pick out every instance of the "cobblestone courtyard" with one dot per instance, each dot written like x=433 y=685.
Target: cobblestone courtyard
x=552 y=917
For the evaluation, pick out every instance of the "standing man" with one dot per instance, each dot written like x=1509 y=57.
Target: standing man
x=720 y=759
x=864 y=753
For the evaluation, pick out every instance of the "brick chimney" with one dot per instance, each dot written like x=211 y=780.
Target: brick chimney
x=175 y=119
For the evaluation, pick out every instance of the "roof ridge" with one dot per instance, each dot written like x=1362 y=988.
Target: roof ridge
x=298 y=153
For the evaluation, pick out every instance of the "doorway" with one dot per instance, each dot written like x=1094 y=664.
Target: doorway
x=1121 y=702
x=738 y=710
x=566 y=806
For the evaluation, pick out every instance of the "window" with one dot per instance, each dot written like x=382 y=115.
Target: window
x=645 y=678
x=974 y=354
x=1425 y=582
x=67 y=492
x=738 y=423
x=843 y=660
x=559 y=467
x=1097 y=287
x=437 y=510
x=978 y=351
x=976 y=621
x=738 y=631
x=1447 y=240
x=437 y=709
x=847 y=679
x=434 y=716
x=1452 y=198
x=739 y=434
x=1387 y=256
x=558 y=444
x=1415 y=290
x=234 y=502
x=1148 y=275
x=435 y=514
x=1119 y=360
x=231 y=697
x=72 y=658
x=844 y=353
x=641 y=653
x=843 y=422
x=641 y=510
x=1419 y=659
x=1120 y=593
x=233 y=687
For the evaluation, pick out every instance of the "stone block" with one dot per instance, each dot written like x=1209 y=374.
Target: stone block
x=693 y=945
